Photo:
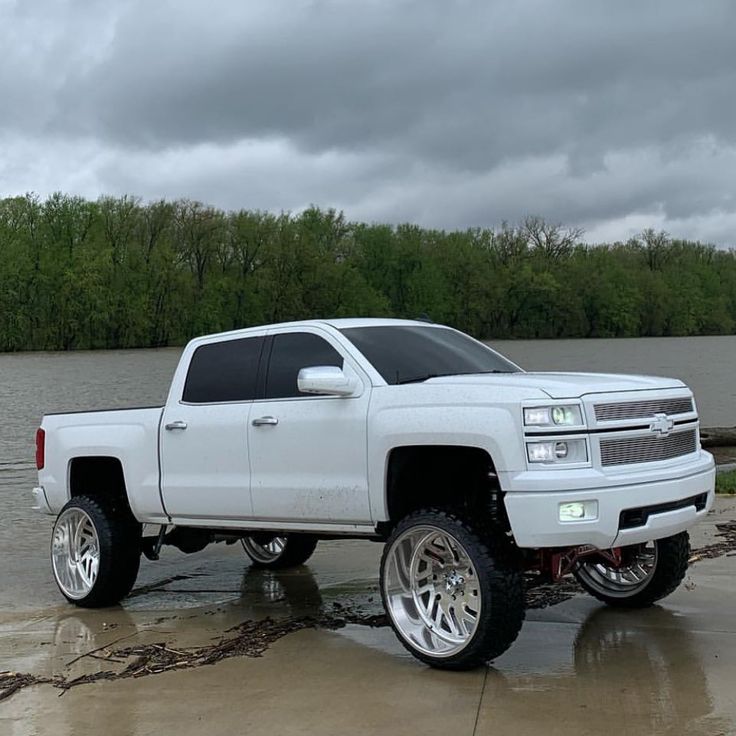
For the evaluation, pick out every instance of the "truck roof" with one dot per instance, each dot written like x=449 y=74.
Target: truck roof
x=348 y=322
x=340 y=324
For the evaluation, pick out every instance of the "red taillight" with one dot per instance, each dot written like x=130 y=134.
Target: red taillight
x=40 y=449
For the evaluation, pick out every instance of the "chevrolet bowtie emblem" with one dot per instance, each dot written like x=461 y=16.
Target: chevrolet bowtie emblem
x=662 y=425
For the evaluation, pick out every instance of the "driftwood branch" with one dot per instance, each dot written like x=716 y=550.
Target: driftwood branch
x=718 y=436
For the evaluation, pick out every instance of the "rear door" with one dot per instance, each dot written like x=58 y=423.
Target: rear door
x=204 y=437
x=308 y=453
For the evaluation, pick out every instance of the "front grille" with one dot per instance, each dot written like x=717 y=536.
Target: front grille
x=628 y=450
x=642 y=409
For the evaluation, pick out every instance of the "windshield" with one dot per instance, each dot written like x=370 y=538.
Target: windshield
x=408 y=353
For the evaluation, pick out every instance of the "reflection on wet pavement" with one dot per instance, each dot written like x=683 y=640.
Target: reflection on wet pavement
x=641 y=671
x=577 y=667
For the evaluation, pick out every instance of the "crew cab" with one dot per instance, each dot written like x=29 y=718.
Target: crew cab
x=471 y=470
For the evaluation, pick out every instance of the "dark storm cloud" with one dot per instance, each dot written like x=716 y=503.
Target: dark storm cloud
x=448 y=113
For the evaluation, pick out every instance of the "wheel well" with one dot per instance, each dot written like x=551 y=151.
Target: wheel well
x=444 y=476
x=101 y=478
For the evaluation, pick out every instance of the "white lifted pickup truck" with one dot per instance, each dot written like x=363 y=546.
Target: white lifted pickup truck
x=472 y=471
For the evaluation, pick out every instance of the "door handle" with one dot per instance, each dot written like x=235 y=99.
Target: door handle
x=262 y=421
x=176 y=425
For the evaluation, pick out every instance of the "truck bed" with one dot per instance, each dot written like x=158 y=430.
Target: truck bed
x=130 y=435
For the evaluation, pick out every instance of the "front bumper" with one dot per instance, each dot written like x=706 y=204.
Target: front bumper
x=534 y=516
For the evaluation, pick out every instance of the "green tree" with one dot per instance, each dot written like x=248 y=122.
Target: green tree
x=120 y=273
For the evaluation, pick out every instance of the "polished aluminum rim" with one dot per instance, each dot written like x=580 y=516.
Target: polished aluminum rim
x=432 y=591
x=266 y=551
x=633 y=575
x=75 y=553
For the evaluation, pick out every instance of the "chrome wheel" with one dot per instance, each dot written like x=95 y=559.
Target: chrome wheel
x=432 y=591
x=264 y=548
x=75 y=553
x=633 y=575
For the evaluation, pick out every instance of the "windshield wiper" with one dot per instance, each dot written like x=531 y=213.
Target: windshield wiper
x=427 y=376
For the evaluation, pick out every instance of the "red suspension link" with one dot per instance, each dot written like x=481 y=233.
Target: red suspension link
x=556 y=563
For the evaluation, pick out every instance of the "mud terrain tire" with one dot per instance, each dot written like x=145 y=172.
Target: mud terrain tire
x=95 y=552
x=454 y=595
x=670 y=566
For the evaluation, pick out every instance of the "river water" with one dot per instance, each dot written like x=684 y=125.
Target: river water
x=34 y=383
x=706 y=364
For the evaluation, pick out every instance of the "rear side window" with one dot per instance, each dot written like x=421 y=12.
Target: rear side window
x=291 y=352
x=224 y=371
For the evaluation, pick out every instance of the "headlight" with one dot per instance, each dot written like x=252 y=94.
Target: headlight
x=553 y=416
x=557 y=451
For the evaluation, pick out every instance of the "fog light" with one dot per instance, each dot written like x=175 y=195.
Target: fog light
x=578 y=511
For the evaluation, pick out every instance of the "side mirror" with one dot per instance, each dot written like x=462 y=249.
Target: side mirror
x=327 y=380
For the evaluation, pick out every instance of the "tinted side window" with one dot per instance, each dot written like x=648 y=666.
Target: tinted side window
x=291 y=352
x=224 y=371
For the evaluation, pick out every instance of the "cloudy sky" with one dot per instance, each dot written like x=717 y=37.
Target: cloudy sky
x=611 y=116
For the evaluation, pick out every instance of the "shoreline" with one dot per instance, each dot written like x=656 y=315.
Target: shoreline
x=175 y=345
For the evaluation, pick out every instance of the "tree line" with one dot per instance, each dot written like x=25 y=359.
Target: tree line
x=117 y=273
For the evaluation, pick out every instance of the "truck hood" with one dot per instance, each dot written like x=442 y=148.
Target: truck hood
x=566 y=385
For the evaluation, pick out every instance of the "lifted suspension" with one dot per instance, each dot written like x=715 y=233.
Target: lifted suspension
x=555 y=563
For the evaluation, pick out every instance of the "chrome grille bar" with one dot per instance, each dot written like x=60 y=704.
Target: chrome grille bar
x=629 y=450
x=642 y=409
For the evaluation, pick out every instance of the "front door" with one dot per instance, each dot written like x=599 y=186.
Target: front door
x=204 y=435
x=308 y=453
